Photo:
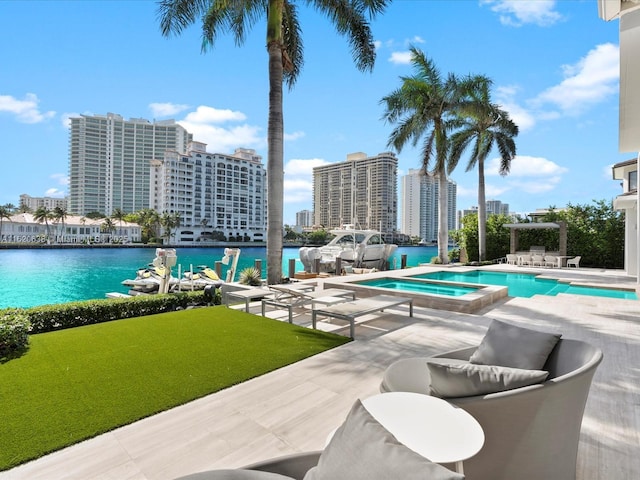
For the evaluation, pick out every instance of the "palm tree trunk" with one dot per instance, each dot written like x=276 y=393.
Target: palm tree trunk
x=482 y=214
x=275 y=142
x=443 y=218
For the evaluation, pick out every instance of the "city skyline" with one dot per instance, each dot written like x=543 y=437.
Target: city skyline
x=554 y=67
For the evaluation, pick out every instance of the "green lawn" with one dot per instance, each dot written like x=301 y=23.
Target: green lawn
x=77 y=383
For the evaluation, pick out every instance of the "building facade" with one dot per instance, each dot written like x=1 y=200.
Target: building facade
x=627 y=174
x=420 y=205
x=23 y=228
x=214 y=194
x=110 y=161
x=304 y=219
x=361 y=191
x=33 y=203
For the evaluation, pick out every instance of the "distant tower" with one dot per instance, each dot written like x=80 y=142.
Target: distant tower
x=361 y=190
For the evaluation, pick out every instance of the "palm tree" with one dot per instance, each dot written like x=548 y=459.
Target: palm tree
x=170 y=221
x=60 y=214
x=43 y=214
x=284 y=47
x=486 y=125
x=425 y=107
x=118 y=215
x=5 y=213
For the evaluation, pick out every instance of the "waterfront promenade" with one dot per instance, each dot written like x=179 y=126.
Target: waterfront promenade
x=294 y=409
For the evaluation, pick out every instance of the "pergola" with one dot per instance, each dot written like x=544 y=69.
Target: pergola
x=516 y=227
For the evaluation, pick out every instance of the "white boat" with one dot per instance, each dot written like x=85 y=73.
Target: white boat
x=355 y=248
x=149 y=280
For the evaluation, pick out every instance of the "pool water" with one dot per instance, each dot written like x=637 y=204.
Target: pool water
x=525 y=284
x=409 y=285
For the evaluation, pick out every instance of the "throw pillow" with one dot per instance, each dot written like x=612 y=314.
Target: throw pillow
x=511 y=346
x=362 y=449
x=467 y=380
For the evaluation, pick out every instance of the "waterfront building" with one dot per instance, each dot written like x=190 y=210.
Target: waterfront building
x=304 y=219
x=627 y=173
x=24 y=229
x=216 y=195
x=492 y=207
x=110 y=160
x=33 y=203
x=361 y=191
x=420 y=205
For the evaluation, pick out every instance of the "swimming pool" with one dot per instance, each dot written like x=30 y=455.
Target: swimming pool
x=415 y=285
x=526 y=284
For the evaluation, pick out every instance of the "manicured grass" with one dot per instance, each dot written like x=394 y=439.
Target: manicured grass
x=77 y=383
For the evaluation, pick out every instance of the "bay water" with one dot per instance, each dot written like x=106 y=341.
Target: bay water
x=43 y=276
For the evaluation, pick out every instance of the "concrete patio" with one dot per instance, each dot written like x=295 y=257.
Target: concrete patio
x=294 y=409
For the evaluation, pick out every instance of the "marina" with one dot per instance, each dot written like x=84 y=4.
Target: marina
x=31 y=277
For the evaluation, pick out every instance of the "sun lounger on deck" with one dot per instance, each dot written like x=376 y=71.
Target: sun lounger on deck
x=292 y=298
x=351 y=310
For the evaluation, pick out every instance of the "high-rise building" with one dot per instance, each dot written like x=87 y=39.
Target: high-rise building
x=213 y=193
x=361 y=191
x=420 y=205
x=110 y=160
x=304 y=218
x=33 y=203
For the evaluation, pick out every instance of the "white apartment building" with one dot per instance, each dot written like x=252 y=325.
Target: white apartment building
x=212 y=193
x=420 y=205
x=110 y=160
x=361 y=190
x=304 y=219
x=33 y=203
x=23 y=228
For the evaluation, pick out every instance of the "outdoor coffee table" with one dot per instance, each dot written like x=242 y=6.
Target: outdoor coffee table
x=430 y=426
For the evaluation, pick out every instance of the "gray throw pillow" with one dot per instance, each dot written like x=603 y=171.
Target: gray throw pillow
x=467 y=380
x=511 y=346
x=238 y=474
x=362 y=449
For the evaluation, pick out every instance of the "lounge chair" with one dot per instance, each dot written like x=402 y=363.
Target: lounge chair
x=512 y=259
x=364 y=306
x=524 y=259
x=550 y=261
x=289 y=298
x=537 y=260
x=531 y=432
x=575 y=261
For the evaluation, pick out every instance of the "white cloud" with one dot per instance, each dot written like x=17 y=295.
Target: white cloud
x=166 y=109
x=65 y=118
x=515 y=13
x=26 y=111
x=400 y=58
x=55 y=193
x=505 y=97
x=61 y=178
x=291 y=137
x=526 y=166
x=298 y=182
x=589 y=81
x=204 y=114
x=377 y=44
x=208 y=125
x=417 y=39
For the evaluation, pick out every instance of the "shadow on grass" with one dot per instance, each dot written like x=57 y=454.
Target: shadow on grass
x=7 y=354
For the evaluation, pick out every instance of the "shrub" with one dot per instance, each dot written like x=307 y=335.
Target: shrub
x=251 y=276
x=47 y=318
x=14 y=330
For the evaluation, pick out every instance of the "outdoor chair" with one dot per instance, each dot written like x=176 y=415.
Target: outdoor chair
x=574 y=262
x=537 y=260
x=512 y=259
x=531 y=432
x=550 y=261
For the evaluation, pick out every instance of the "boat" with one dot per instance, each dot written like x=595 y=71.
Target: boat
x=354 y=247
x=155 y=277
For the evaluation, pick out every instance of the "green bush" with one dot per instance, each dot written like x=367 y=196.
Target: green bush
x=47 y=318
x=14 y=330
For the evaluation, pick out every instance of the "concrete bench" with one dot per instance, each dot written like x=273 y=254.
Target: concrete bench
x=351 y=310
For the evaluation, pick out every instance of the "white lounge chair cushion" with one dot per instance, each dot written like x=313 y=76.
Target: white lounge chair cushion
x=362 y=449
x=468 y=379
x=512 y=346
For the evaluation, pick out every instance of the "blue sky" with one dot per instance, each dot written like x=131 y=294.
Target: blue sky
x=554 y=66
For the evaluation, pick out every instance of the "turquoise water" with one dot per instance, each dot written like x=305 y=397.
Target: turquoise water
x=408 y=285
x=526 y=285
x=30 y=277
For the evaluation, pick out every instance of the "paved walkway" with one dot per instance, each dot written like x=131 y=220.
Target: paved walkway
x=294 y=408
